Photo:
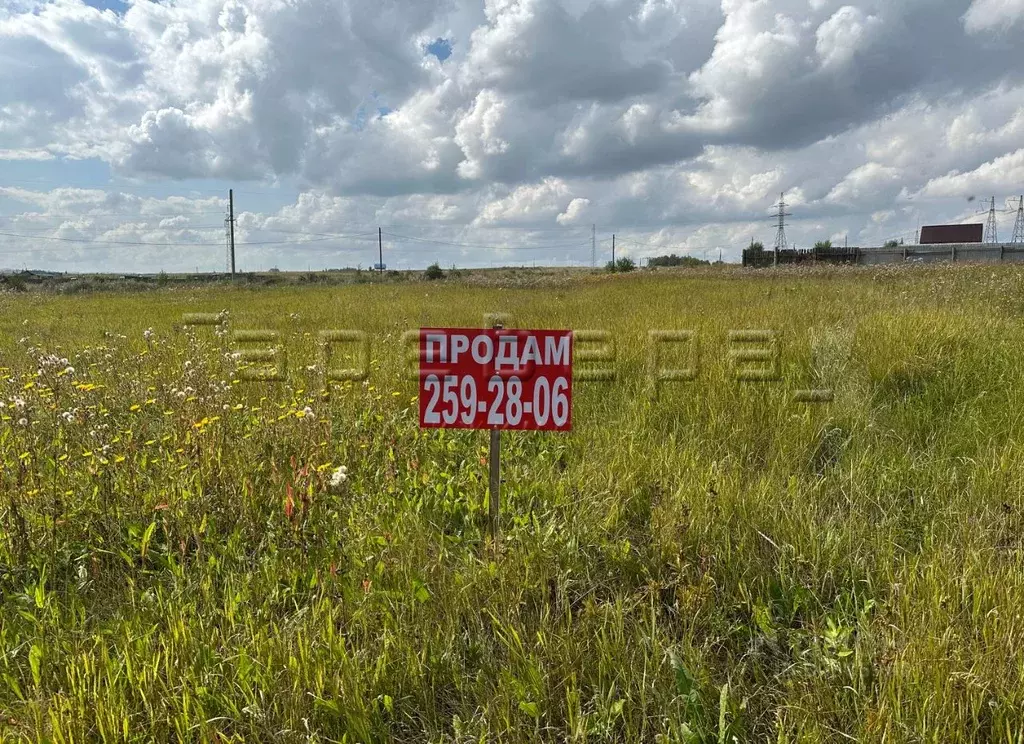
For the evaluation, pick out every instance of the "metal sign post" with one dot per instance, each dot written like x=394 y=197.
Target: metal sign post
x=494 y=495
x=494 y=379
x=494 y=465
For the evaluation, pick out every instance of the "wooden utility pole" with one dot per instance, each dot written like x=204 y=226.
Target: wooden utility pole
x=613 y=251
x=231 y=225
x=380 y=251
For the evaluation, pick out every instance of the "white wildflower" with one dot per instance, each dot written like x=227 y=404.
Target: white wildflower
x=339 y=476
x=23 y=422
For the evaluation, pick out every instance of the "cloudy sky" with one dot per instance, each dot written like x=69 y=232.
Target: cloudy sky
x=495 y=131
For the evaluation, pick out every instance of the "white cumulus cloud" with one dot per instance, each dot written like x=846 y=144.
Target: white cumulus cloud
x=670 y=123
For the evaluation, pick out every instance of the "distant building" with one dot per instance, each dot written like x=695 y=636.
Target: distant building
x=950 y=234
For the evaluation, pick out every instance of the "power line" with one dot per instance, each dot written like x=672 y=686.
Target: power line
x=476 y=226
x=171 y=228
x=641 y=243
x=166 y=245
x=481 y=246
x=350 y=236
x=321 y=239
x=182 y=228
x=124 y=215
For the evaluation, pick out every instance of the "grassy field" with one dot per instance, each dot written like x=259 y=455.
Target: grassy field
x=704 y=561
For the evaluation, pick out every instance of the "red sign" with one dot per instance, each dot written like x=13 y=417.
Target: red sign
x=472 y=378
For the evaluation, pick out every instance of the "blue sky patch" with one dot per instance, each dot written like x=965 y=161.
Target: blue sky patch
x=118 y=6
x=440 y=48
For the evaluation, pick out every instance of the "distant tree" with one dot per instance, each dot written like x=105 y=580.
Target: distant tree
x=625 y=264
x=756 y=245
x=892 y=244
x=823 y=245
x=674 y=260
x=434 y=271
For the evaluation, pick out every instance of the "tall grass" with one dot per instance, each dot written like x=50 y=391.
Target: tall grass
x=706 y=561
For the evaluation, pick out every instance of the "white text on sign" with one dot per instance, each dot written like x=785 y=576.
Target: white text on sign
x=495 y=379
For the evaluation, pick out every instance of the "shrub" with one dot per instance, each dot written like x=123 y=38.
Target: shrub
x=621 y=264
x=434 y=271
x=16 y=283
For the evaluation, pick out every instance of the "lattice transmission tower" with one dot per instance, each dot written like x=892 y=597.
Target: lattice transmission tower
x=781 y=215
x=1018 y=226
x=991 y=226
